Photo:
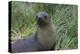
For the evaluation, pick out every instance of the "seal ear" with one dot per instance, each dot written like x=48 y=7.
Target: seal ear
x=49 y=17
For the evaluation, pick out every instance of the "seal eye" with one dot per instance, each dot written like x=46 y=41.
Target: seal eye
x=45 y=17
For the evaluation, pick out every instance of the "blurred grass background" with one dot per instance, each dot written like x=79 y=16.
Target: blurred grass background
x=65 y=18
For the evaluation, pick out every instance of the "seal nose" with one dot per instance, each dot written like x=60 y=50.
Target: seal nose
x=40 y=17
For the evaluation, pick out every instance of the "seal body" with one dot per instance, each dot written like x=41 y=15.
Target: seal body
x=47 y=37
x=43 y=39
